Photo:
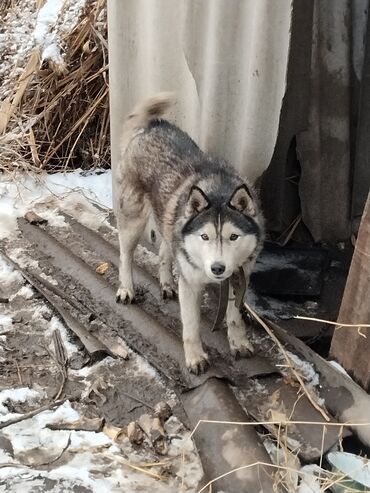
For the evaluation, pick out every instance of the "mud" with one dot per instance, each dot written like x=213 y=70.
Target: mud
x=141 y=325
x=69 y=257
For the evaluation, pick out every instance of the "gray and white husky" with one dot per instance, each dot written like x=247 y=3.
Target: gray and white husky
x=208 y=217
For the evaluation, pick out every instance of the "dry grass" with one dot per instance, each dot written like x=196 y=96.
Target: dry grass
x=58 y=115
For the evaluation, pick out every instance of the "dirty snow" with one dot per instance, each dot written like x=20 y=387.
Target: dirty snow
x=310 y=482
x=8 y=275
x=5 y=323
x=47 y=16
x=54 y=19
x=73 y=193
x=25 y=291
x=92 y=460
x=338 y=367
x=16 y=395
x=305 y=368
x=56 y=324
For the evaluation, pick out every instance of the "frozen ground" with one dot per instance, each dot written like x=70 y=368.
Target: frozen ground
x=32 y=456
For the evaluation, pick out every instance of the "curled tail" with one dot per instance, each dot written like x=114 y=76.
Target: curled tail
x=150 y=109
x=146 y=111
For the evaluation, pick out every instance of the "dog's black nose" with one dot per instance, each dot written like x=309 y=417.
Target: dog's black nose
x=217 y=268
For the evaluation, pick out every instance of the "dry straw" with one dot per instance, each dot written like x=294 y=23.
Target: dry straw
x=58 y=115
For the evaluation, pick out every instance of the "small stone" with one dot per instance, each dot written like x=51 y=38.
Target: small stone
x=135 y=433
x=162 y=411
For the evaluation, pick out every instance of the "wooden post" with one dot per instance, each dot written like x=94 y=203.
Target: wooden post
x=351 y=346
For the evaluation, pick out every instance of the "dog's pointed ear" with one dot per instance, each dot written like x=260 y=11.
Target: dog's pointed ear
x=197 y=202
x=242 y=201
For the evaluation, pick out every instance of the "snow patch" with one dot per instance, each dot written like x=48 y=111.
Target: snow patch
x=47 y=16
x=5 y=324
x=338 y=367
x=8 y=275
x=95 y=462
x=41 y=312
x=22 y=395
x=25 y=292
x=305 y=368
x=310 y=482
x=55 y=324
x=74 y=193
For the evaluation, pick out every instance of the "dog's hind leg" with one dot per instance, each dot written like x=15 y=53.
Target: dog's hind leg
x=132 y=216
x=165 y=272
x=190 y=298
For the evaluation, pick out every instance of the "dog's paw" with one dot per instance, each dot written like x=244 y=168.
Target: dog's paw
x=125 y=295
x=241 y=348
x=197 y=361
x=168 y=291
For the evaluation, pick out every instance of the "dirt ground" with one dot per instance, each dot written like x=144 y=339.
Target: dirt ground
x=36 y=458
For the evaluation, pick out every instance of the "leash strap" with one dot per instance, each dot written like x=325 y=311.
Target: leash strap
x=239 y=286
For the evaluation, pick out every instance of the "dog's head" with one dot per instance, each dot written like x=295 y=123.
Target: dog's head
x=222 y=231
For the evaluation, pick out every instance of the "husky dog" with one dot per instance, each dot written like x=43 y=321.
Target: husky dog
x=208 y=216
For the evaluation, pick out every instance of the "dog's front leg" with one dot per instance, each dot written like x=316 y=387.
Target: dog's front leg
x=236 y=330
x=240 y=345
x=190 y=298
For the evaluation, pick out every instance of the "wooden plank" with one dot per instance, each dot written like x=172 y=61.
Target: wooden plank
x=351 y=346
x=361 y=178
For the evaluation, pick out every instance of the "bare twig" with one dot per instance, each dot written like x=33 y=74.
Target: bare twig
x=137 y=400
x=31 y=414
x=11 y=464
x=61 y=360
x=55 y=458
x=137 y=468
x=19 y=374
x=338 y=324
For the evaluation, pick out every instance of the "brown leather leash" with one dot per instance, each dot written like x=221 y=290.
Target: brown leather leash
x=239 y=285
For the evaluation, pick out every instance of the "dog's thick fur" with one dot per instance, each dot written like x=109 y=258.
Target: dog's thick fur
x=208 y=216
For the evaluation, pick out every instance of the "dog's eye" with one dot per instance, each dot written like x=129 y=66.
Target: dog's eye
x=204 y=237
x=234 y=237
